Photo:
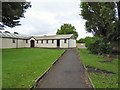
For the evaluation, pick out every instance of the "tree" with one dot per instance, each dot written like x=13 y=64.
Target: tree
x=101 y=20
x=67 y=29
x=96 y=14
x=82 y=40
x=12 y=12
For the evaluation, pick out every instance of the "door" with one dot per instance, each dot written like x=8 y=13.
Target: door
x=32 y=45
x=58 y=43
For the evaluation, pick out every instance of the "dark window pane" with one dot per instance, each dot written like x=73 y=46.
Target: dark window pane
x=26 y=41
x=52 y=41
x=13 y=40
x=65 y=40
x=41 y=41
x=46 y=41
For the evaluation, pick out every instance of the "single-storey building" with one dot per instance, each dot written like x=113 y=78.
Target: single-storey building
x=15 y=40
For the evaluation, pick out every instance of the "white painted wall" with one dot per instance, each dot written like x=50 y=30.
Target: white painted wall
x=72 y=43
x=19 y=43
x=0 y=42
x=62 y=44
x=8 y=43
x=47 y=45
x=27 y=45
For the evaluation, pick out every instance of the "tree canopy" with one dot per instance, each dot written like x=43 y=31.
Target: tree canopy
x=12 y=12
x=67 y=29
x=103 y=20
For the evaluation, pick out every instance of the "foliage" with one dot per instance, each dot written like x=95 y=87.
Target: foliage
x=82 y=40
x=89 y=40
x=101 y=19
x=97 y=45
x=67 y=29
x=96 y=14
x=100 y=80
x=77 y=41
x=12 y=12
x=20 y=67
x=91 y=44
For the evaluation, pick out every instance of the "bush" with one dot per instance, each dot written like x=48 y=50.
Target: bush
x=98 y=45
x=89 y=41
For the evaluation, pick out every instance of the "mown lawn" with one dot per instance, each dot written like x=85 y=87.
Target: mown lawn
x=100 y=80
x=20 y=67
x=0 y=68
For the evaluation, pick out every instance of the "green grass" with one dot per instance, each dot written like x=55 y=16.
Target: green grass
x=100 y=80
x=0 y=69
x=22 y=66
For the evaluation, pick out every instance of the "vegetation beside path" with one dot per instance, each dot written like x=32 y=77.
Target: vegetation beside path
x=20 y=67
x=102 y=73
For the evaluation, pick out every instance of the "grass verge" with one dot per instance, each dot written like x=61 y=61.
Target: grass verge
x=20 y=67
x=100 y=80
x=0 y=69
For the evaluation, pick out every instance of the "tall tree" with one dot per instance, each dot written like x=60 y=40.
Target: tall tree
x=12 y=12
x=67 y=29
x=101 y=20
x=96 y=16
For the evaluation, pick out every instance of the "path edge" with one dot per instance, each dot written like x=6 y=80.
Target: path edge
x=43 y=75
x=85 y=70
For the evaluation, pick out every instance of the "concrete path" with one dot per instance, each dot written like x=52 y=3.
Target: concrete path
x=68 y=72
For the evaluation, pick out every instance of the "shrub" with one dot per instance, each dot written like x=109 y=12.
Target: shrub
x=98 y=45
x=89 y=41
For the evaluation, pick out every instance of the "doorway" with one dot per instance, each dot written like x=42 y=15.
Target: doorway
x=58 y=43
x=32 y=43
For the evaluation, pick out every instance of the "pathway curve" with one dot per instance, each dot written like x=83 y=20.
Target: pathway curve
x=68 y=72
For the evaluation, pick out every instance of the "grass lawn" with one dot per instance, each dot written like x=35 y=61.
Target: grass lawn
x=0 y=69
x=20 y=67
x=100 y=80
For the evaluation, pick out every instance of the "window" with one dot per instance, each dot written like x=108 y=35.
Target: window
x=13 y=40
x=41 y=41
x=52 y=41
x=26 y=41
x=65 y=40
x=46 y=41
x=37 y=41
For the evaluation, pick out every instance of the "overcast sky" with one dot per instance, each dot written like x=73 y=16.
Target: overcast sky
x=46 y=16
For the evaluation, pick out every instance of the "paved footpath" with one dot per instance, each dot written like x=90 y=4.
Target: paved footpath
x=68 y=72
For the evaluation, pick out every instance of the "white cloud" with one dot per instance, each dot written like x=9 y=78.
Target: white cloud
x=46 y=16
